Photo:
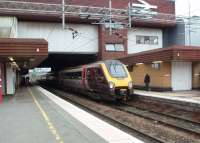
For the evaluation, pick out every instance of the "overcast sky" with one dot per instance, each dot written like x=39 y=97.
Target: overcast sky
x=182 y=7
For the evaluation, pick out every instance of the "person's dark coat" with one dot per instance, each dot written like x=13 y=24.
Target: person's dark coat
x=147 y=79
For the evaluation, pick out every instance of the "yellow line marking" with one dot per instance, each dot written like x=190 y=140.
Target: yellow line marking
x=47 y=119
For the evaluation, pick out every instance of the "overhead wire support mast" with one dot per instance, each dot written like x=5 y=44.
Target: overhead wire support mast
x=129 y=15
x=99 y=14
x=110 y=17
x=189 y=22
x=63 y=14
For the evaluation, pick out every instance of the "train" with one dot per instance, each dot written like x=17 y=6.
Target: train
x=108 y=80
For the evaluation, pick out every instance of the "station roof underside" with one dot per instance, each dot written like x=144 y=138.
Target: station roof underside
x=173 y=53
x=59 y=61
x=27 y=53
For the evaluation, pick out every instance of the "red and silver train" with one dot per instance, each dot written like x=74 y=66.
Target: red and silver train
x=108 y=80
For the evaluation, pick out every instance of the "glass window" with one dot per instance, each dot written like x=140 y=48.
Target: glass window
x=148 y=40
x=119 y=47
x=115 y=47
x=110 y=47
x=117 y=70
x=156 y=66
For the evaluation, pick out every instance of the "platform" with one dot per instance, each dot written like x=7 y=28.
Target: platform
x=192 y=97
x=35 y=115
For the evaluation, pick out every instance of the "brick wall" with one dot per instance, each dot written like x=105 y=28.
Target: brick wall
x=164 y=6
x=106 y=38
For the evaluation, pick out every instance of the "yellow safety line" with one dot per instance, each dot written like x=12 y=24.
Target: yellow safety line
x=47 y=119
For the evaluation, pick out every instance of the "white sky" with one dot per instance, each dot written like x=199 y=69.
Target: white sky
x=182 y=7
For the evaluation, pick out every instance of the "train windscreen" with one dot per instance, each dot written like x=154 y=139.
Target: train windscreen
x=117 y=70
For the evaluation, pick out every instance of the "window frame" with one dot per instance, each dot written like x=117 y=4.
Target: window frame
x=147 y=40
x=116 y=47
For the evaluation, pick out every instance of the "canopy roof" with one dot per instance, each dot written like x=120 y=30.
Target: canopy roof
x=173 y=53
x=26 y=53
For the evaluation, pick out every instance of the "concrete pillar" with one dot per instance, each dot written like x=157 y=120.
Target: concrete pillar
x=10 y=79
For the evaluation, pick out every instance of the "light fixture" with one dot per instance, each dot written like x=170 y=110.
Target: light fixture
x=11 y=59
x=32 y=59
x=137 y=64
x=25 y=64
x=157 y=62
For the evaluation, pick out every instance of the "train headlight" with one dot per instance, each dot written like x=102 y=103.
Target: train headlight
x=130 y=85
x=111 y=85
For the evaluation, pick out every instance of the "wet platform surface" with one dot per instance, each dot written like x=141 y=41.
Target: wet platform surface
x=34 y=116
x=22 y=121
x=192 y=96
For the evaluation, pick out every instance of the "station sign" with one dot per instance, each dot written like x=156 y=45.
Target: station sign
x=143 y=7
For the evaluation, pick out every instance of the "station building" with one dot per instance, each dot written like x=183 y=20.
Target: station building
x=29 y=28
x=173 y=67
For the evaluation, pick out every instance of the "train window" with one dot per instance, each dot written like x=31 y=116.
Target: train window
x=117 y=70
x=73 y=75
x=77 y=75
x=99 y=74
x=90 y=74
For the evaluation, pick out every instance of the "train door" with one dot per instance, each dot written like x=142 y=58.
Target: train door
x=84 y=84
x=101 y=83
x=90 y=78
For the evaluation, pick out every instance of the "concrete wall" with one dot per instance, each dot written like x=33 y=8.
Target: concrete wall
x=2 y=78
x=134 y=48
x=196 y=75
x=8 y=27
x=62 y=40
x=10 y=79
x=160 y=78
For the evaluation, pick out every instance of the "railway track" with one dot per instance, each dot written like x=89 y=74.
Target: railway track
x=173 y=121
x=191 y=115
x=151 y=126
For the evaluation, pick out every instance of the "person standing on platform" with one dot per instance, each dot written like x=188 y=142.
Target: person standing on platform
x=147 y=80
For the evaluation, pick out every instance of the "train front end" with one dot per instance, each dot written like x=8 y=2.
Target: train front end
x=119 y=80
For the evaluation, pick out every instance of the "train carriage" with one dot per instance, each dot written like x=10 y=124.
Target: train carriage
x=109 y=80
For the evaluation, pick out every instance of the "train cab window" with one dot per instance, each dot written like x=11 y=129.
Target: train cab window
x=117 y=70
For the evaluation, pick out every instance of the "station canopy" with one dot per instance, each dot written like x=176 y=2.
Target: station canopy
x=172 y=53
x=23 y=53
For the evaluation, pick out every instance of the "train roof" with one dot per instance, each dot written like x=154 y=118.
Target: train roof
x=79 y=68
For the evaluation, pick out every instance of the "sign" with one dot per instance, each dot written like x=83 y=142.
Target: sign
x=143 y=9
x=144 y=5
